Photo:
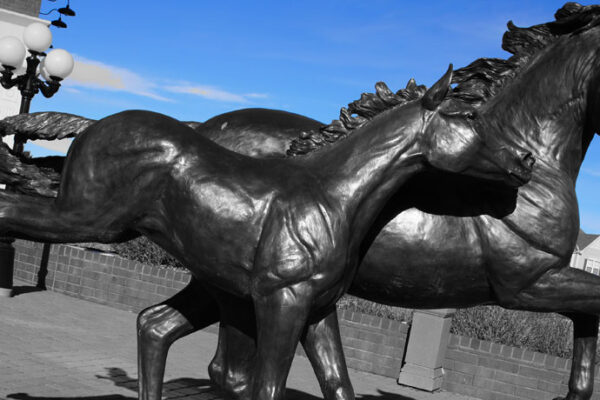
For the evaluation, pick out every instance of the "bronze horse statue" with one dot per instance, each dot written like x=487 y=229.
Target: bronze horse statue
x=453 y=254
x=284 y=235
x=445 y=254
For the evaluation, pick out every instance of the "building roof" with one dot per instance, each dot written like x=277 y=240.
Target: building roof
x=585 y=239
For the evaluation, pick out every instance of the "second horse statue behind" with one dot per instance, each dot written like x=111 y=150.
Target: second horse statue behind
x=285 y=234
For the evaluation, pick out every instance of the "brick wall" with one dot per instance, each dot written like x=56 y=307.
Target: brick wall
x=371 y=344
x=492 y=371
x=100 y=277
x=27 y=7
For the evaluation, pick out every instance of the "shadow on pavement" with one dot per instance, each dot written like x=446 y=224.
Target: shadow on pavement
x=381 y=395
x=18 y=290
x=187 y=388
x=25 y=396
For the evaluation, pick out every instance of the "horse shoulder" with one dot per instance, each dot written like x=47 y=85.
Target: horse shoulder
x=299 y=242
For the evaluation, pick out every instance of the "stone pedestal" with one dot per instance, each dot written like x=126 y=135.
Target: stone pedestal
x=426 y=349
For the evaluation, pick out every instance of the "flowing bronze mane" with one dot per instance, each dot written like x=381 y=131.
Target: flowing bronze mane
x=475 y=83
x=482 y=79
x=364 y=109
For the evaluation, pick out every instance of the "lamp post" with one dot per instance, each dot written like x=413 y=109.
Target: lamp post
x=53 y=67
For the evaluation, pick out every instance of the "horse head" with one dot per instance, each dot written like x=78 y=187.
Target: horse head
x=453 y=142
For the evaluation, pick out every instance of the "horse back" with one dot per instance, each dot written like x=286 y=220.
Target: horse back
x=122 y=150
x=257 y=132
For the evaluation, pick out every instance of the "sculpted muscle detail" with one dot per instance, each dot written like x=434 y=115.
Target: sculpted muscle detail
x=494 y=247
x=283 y=234
x=289 y=251
x=303 y=243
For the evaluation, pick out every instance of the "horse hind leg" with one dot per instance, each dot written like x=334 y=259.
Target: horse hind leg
x=585 y=338
x=576 y=294
x=159 y=326
x=43 y=219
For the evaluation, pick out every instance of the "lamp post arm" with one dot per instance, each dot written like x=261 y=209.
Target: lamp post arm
x=6 y=79
x=48 y=88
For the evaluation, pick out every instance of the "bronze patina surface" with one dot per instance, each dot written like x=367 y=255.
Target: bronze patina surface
x=280 y=237
x=452 y=245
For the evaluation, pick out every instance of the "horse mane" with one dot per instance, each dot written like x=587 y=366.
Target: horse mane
x=356 y=115
x=474 y=84
x=484 y=77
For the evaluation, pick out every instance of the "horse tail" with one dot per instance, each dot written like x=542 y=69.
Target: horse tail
x=44 y=220
x=37 y=176
x=44 y=125
x=40 y=176
x=50 y=125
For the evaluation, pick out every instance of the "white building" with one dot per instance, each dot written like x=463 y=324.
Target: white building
x=13 y=21
x=15 y=16
x=587 y=253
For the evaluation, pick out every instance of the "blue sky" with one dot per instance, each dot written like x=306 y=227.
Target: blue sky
x=196 y=59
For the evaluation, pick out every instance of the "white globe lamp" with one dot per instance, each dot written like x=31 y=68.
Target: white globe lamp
x=58 y=64
x=12 y=51
x=43 y=72
x=37 y=37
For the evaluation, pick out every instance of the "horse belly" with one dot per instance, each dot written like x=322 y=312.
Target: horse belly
x=213 y=230
x=424 y=261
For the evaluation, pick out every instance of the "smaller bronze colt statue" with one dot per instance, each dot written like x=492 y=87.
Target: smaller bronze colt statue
x=284 y=235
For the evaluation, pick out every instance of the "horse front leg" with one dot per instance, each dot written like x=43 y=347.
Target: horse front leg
x=280 y=318
x=159 y=326
x=585 y=337
x=231 y=368
x=323 y=346
x=321 y=342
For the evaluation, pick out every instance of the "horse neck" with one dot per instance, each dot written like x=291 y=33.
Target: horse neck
x=545 y=109
x=360 y=173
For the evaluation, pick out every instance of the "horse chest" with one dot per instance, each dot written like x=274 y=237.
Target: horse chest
x=546 y=218
x=300 y=242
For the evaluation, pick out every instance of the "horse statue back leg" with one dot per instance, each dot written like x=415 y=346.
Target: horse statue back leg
x=585 y=338
x=575 y=294
x=159 y=326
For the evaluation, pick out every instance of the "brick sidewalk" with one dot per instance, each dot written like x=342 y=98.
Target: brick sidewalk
x=55 y=347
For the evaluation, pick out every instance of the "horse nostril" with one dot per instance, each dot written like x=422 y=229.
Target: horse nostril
x=528 y=160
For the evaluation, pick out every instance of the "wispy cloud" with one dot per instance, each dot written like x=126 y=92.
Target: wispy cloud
x=56 y=146
x=256 y=95
x=212 y=93
x=592 y=172
x=95 y=74
x=98 y=75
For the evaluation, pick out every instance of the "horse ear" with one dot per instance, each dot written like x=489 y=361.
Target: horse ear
x=437 y=93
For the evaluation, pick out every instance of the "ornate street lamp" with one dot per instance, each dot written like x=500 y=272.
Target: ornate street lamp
x=53 y=67
x=66 y=11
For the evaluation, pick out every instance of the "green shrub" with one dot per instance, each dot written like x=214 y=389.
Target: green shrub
x=380 y=310
x=546 y=333
x=145 y=251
